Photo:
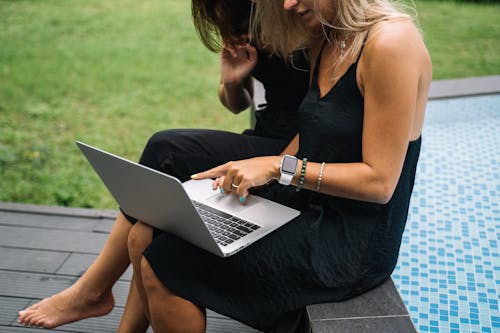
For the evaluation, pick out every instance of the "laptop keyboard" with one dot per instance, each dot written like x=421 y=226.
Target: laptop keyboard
x=225 y=228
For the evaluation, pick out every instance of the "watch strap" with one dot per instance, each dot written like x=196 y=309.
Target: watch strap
x=286 y=178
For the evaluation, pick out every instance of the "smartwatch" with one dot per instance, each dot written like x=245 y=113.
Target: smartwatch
x=288 y=169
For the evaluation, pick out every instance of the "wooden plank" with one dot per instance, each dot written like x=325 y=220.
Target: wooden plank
x=220 y=323
x=47 y=221
x=40 y=244
x=57 y=210
x=31 y=260
x=36 y=285
x=9 y=306
x=31 y=285
x=104 y=226
x=11 y=329
x=108 y=323
x=57 y=240
x=22 y=285
x=78 y=263
x=57 y=217
x=214 y=314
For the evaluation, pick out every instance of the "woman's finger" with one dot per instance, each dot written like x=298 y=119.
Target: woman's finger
x=217 y=184
x=230 y=184
x=211 y=173
x=242 y=191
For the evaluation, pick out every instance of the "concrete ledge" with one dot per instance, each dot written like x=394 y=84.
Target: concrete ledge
x=379 y=310
x=452 y=88
x=471 y=86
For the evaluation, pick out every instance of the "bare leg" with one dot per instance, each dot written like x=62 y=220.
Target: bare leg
x=170 y=313
x=134 y=318
x=91 y=294
x=139 y=238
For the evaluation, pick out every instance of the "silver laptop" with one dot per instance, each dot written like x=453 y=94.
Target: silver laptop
x=192 y=210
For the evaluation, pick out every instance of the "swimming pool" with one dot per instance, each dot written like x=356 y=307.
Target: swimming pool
x=448 y=271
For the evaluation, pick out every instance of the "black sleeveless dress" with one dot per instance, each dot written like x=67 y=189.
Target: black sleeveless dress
x=278 y=118
x=336 y=249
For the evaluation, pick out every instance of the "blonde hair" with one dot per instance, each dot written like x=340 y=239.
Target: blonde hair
x=282 y=32
x=275 y=29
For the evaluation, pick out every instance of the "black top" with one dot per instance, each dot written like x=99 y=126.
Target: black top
x=359 y=242
x=335 y=249
x=285 y=85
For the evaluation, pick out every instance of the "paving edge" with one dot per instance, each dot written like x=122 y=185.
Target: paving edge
x=471 y=86
x=56 y=210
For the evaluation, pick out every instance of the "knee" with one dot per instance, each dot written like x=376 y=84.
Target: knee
x=139 y=238
x=163 y=139
x=159 y=148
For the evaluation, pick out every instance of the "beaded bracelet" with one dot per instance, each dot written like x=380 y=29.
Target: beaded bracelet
x=320 y=177
x=302 y=175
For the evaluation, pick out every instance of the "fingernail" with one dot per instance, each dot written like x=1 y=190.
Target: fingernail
x=242 y=199
x=194 y=176
x=221 y=190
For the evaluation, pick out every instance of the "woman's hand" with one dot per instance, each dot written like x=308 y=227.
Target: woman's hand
x=237 y=62
x=239 y=176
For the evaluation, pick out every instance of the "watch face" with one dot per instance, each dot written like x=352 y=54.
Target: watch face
x=289 y=165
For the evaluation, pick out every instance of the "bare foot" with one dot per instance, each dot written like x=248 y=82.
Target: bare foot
x=66 y=307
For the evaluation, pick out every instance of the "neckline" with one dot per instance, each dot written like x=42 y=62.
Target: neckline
x=318 y=63
x=316 y=72
x=341 y=78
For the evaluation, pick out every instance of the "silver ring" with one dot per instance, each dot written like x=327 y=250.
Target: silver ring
x=235 y=186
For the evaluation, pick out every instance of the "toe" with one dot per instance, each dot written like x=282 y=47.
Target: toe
x=23 y=314
x=20 y=316
x=38 y=322
x=31 y=319
x=35 y=320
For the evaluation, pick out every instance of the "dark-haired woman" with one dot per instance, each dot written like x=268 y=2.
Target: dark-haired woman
x=223 y=27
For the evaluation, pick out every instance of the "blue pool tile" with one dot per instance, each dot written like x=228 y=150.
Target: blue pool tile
x=448 y=271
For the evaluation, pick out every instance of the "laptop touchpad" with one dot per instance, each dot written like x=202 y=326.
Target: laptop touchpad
x=230 y=202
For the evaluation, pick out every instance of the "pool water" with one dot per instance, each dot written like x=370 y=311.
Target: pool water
x=448 y=271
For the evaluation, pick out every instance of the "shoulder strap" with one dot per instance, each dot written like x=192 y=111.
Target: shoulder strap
x=363 y=45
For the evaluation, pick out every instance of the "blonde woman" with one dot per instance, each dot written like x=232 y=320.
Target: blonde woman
x=354 y=167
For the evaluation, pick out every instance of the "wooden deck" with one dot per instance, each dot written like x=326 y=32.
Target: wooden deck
x=45 y=249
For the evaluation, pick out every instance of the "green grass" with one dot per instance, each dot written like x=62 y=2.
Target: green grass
x=462 y=37
x=113 y=72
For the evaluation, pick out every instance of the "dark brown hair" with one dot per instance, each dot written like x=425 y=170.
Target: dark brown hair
x=218 y=20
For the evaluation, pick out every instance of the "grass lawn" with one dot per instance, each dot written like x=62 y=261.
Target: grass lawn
x=113 y=72
x=462 y=37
